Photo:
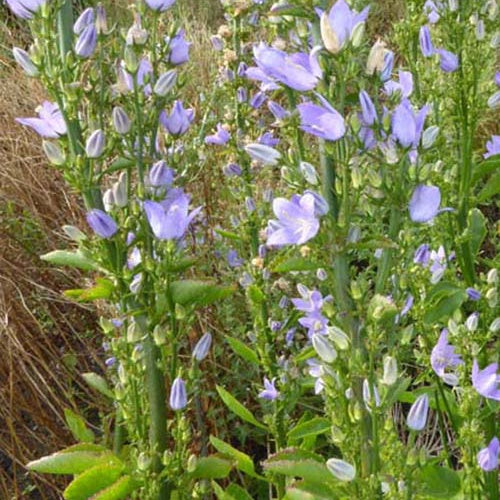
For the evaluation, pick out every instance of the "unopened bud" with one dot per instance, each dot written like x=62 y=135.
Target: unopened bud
x=323 y=348
x=95 y=144
x=121 y=121
x=390 y=370
x=53 y=153
x=23 y=59
x=165 y=83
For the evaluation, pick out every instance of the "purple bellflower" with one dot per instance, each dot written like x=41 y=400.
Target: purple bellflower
x=84 y=19
x=311 y=303
x=422 y=255
x=170 y=219
x=424 y=203
x=443 y=356
x=447 y=60
x=473 y=294
x=404 y=86
x=86 y=42
x=487 y=458
x=160 y=5
x=233 y=260
x=179 y=120
x=296 y=221
x=161 y=175
x=25 y=9
x=298 y=71
x=270 y=392
x=278 y=111
x=202 y=347
x=368 y=111
x=101 y=223
x=50 y=123
x=417 y=416
x=178 y=397
x=322 y=121
x=220 y=138
x=407 y=126
x=178 y=49
x=426 y=41
x=492 y=146
x=486 y=381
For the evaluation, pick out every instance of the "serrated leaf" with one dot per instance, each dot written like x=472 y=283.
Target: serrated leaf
x=70 y=259
x=119 y=490
x=312 y=427
x=439 y=482
x=71 y=462
x=307 y=469
x=212 y=467
x=92 y=481
x=243 y=461
x=78 y=427
x=296 y=264
x=237 y=408
x=242 y=350
x=197 y=292
x=98 y=383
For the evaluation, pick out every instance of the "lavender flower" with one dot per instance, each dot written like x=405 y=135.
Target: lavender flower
x=487 y=458
x=279 y=112
x=388 y=65
x=232 y=169
x=178 y=397
x=262 y=153
x=368 y=111
x=94 y=147
x=486 y=381
x=270 y=392
x=448 y=60
x=178 y=49
x=341 y=469
x=296 y=221
x=121 y=121
x=202 y=347
x=258 y=100
x=101 y=223
x=84 y=19
x=426 y=42
x=422 y=255
x=165 y=83
x=24 y=60
x=417 y=416
x=322 y=121
x=160 y=5
x=268 y=139
x=404 y=86
x=50 y=123
x=179 y=120
x=233 y=260
x=25 y=9
x=161 y=175
x=443 y=356
x=221 y=137
x=424 y=203
x=492 y=147
x=86 y=42
x=407 y=126
x=316 y=371
x=170 y=219
x=473 y=294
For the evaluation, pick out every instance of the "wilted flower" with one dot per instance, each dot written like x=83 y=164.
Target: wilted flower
x=23 y=59
x=296 y=221
x=50 y=123
x=492 y=146
x=86 y=42
x=178 y=49
x=376 y=57
x=407 y=126
x=178 y=397
x=221 y=137
x=424 y=203
x=101 y=223
x=417 y=416
x=486 y=381
x=341 y=469
x=179 y=120
x=322 y=121
x=443 y=356
x=136 y=35
x=170 y=219
x=160 y=5
x=448 y=60
x=270 y=392
x=202 y=347
x=25 y=8
x=487 y=458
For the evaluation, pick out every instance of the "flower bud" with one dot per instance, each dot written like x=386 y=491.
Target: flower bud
x=101 y=22
x=165 y=83
x=130 y=59
x=357 y=34
x=495 y=325
x=417 y=416
x=367 y=108
x=86 y=42
x=202 y=347
x=159 y=335
x=134 y=333
x=120 y=191
x=178 y=397
x=308 y=172
x=494 y=100
x=382 y=308
x=53 y=153
x=367 y=395
x=341 y=469
x=472 y=321
x=94 y=146
x=101 y=223
x=492 y=297
x=84 y=19
x=74 y=233
x=24 y=60
x=161 y=175
x=492 y=276
x=375 y=60
x=426 y=42
x=323 y=348
x=263 y=153
x=339 y=337
x=121 y=121
x=390 y=370
x=108 y=200
x=136 y=35
x=328 y=35
x=429 y=136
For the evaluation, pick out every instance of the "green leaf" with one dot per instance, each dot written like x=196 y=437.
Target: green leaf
x=201 y=293
x=212 y=467
x=242 y=350
x=78 y=427
x=70 y=259
x=228 y=234
x=310 y=491
x=486 y=167
x=439 y=482
x=296 y=264
x=305 y=354
x=237 y=408
x=296 y=454
x=476 y=230
x=444 y=307
x=98 y=383
x=237 y=492
x=92 y=481
x=243 y=461
x=103 y=289
x=180 y=265
x=307 y=469
x=490 y=189
x=119 y=490
x=312 y=427
x=220 y=493
x=119 y=164
x=71 y=462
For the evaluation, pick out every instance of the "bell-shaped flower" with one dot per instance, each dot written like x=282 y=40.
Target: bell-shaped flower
x=202 y=347
x=178 y=49
x=424 y=203
x=298 y=71
x=220 y=138
x=25 y=9
x=84 y=19
x=160 y=5
x=121 y=121
x=443 y=357
x=341 y=469
x=178 y=397
x=426 y=41
x=486 y=381
x=404 y=86
x=492 y=146
x=50 y=122
x=322 y=121
x=296 y=221
x=407 y=127
x=338 y=26
x=179 y=120
x=170 y=219
x=417 y=416
x=24 y=60
x=165 y=83
x=448 y=60
x=161 y=175
x=368 y=111
x=94 y=147
x=263 y=153
x=86 y=42
x=101 y=223
x=487 y=458
x=270 y=392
